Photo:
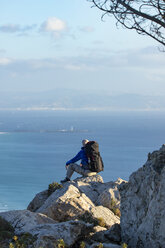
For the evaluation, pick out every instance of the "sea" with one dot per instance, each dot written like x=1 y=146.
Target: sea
x=35 y=145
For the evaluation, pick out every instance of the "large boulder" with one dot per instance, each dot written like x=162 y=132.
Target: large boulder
x=70 y=203
x=66 y=203
x=24 y=221
x=46 y=230
x=38 y=201
x=88 y=185
x=70 y=232
x=143 y=204
x=106 y=215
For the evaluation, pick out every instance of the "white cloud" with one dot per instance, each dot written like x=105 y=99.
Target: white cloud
x=130 y=71
x=5 y=61
x=53 y=24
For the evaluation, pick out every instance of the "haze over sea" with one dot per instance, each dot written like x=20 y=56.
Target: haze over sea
x=35 y=145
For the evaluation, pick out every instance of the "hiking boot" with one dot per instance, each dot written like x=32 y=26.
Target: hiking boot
x=65 y=180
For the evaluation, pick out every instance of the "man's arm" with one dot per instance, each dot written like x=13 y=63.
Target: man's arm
x=75 y=159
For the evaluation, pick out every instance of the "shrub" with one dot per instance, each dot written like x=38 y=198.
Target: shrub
x=124 y=245
x=114 y=208
x=89 y=218
x=6 y=230
x=60 y=243
x=101 y=222
x=82 y=244
x=23 y=241
x=53 y=186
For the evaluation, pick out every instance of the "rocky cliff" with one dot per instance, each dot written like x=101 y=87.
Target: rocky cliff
x=143 y=204
x=86 y=212
x=79 y=211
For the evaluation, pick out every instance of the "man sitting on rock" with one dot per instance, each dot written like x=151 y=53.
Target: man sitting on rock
x=82 y=169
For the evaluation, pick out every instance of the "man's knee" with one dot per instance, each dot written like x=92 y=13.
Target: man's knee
x=73 y=166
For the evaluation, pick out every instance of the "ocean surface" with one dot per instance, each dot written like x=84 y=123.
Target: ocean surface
x=35 y=145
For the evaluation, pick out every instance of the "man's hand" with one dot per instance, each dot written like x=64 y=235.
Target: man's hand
x=66 y=166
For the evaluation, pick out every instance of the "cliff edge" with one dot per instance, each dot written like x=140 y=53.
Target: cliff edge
x=143 y=204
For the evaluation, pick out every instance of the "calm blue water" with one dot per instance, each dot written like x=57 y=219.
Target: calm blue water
x=34 y=147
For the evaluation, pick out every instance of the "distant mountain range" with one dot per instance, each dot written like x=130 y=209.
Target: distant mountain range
x=75 y=99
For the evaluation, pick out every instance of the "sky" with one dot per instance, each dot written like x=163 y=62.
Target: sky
x=45 y=45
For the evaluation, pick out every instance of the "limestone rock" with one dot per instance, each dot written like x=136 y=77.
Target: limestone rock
x=69 y=203
x=24 y=220
x=89 y=186
x=66 y=203
x=102 y=235
x=46 y=230
x=90 y=179
x=70 y=232
x=99 y=234
x=107 y=215
x=38 y=201
x=114 y=233
x=109 y=192
x=143 y=204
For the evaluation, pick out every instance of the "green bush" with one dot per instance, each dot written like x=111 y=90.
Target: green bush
x=82 y=244
x=60 y=243
x=23 y=241
x=114 y=208
x=89 y=218
x=124 y=245
x=53 y=186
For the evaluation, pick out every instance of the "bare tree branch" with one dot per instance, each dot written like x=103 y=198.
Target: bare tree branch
x=147 y=17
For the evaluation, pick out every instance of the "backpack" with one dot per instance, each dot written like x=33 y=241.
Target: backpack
x=93 y=154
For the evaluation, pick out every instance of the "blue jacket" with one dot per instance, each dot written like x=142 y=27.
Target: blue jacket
x=80 y=155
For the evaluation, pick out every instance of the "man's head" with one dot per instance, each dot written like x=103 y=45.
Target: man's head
x=84 y=142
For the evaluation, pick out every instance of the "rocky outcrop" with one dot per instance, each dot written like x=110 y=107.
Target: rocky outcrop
x=80 y=210
x=91 y=186
x=100 y=194
x=143 y=204
x=70 y=202
x=71 y=213
x=66 y=203
x=38 y=201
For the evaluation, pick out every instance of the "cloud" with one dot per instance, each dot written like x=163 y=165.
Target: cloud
x=134 y=71
x=139 y=60
x=54 y=26
x=9 y=28
x=149 y=64
x=86 y=29
x=5 y=61
x=16 y=28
